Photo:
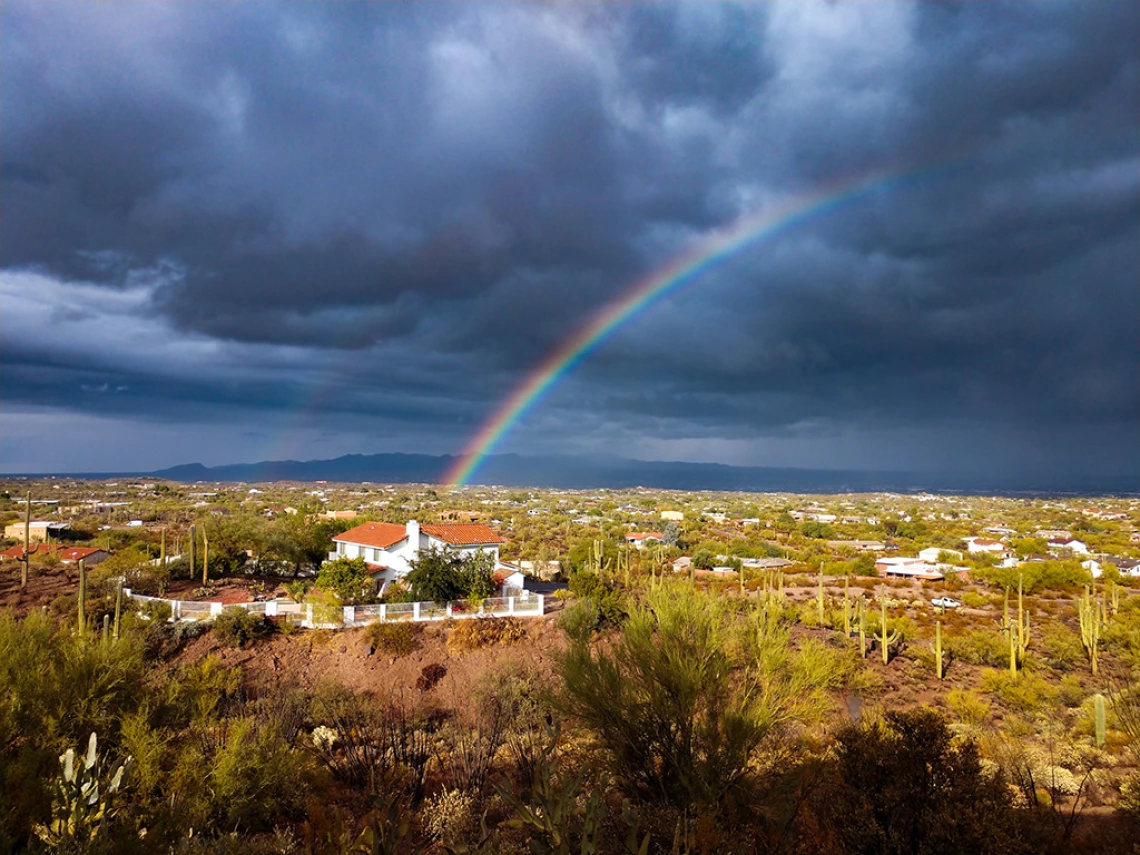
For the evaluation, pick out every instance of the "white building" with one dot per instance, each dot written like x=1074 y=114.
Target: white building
x=1076 y=547
x=981 y=544
x=642 y=539
x=910 y=566
x=388 y=549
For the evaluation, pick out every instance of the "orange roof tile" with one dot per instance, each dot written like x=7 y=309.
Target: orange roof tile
x=376 y=534
x=77 y=553
x=462 y=534
x=17 y=552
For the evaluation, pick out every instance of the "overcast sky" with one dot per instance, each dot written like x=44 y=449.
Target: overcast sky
x=241 y=231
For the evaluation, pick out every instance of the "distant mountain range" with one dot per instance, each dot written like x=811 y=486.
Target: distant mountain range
x=512 y=470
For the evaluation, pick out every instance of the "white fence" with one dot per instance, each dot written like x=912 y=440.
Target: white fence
x=323 y=616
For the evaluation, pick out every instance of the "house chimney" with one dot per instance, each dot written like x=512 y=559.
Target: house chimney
x=413 y=528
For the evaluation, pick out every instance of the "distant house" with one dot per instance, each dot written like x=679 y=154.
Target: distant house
x=1093 y=566
x=39 y=550
x=1053 y=533
x=642 y=539
x=1128 y=567
x=1062 y=544
x=38 y=530
x=933 y=555
x=675 y=516
x=907 y=567
x=389 y=549
x=88 y=555
x=981 y=544
x=765 y=563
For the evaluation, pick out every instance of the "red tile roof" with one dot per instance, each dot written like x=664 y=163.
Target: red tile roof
x=376 y=534
x=79 y=553
x=643 y=535
x=462 y=534
x=17 y=552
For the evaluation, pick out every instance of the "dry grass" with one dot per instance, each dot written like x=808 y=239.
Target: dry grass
x=483 y=632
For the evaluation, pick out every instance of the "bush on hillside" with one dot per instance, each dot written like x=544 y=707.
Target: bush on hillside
x=236 y=627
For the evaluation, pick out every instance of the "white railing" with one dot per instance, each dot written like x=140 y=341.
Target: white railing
x=327 y=616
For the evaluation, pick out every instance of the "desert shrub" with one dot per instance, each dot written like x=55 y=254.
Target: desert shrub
x=1070 y=692
x=379 y=746
x=690 y=692
x=396 y=639
x=611 y=602
x=1061 y=647
x=254 y=779
x=430 y=676
x=974 y=600
x=236 y=627
x=905 y=785
x=562 y=594
x=979 y=647
x=1129 y=801
x=449 y=816
x=1026 y=693
x=580 y=620
x=473 y=633
x=967 y=706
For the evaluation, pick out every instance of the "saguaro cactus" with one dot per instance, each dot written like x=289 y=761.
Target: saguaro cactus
x=1087 y=612
x=118 y=608
x=205 y=559
x=886 y=637
x=1099 y=719
x=193 y=550
x=162 y=549
x=819 y=596
x=936 y=646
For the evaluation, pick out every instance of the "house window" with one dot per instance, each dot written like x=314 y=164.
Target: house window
x=376 y=555
x=340 y=548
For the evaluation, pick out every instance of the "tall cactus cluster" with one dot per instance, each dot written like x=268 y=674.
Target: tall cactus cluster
x=1099 y=719
x=1091 y=618
x=84 y=801
x=886 y=636
x=1017 y=633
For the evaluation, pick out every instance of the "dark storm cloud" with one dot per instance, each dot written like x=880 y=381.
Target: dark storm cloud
x=395 y=211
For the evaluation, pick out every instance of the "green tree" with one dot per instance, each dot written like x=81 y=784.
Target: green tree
x=441 y=575
x=348 y=578
x=904 y=786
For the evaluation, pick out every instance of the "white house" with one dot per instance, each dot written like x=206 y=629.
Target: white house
x=1062 y=544
x=930 y=555
x=388 y=549
x=908 y=566
x=981 y=544
x=642 y=539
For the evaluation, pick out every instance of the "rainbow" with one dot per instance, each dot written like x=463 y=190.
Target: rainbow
x=709 y=254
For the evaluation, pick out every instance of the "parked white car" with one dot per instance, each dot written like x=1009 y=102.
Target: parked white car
x=945 y=603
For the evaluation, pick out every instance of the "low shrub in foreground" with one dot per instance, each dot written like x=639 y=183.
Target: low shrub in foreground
x=474 y=633
x=396 y=639
x=236 y=627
